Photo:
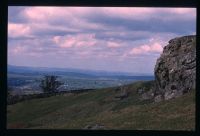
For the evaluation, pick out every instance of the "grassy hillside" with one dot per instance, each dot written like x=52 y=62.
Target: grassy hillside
x=99 y=107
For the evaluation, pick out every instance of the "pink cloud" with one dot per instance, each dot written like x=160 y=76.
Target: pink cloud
x=36 y=13
x=155 y=47
x=17 y=50
x=49 y=14
x=183 y=10
x=44 y=13
x=64 y=42
x=79 y=40
x=17 y=30
x=76 y=15
x=113 y=45
x=136 y=51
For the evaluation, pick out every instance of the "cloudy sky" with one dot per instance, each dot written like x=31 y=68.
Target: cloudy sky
x=100 y=38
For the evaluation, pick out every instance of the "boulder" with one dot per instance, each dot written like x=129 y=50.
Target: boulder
x=158 y=98
x=147 y=95
x=175 y=70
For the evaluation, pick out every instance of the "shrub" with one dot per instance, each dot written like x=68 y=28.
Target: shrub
x=50 y=84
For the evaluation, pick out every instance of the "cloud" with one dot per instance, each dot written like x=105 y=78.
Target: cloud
x=99 y=37
x=113 y=45
x=79 y=40
x=18 y=50
x=143 y=49
x=96 y=18
x=50 y=14
x=152 y=25
x=18 y=30
x=74 y=17
x=187 y=12
x=41 y=14
x=117 y=23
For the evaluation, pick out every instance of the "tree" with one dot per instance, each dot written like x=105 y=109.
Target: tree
x=50 y=83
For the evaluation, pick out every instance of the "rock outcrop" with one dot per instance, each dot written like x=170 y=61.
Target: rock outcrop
x=175 y=70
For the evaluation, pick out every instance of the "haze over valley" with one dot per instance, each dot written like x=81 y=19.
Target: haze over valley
x=26 y=80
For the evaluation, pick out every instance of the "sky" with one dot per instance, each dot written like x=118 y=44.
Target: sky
x=126 y=39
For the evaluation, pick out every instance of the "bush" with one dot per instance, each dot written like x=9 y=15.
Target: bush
x=50 y=84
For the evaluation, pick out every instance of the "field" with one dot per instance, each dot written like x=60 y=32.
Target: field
x=100 y=107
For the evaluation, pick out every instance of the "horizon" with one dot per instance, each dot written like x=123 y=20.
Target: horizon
x=92 y=70
x=117 y=39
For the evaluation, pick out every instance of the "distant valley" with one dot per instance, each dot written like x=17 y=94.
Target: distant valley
x=25 y=80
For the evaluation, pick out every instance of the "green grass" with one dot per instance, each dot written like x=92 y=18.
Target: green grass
x=100 y=107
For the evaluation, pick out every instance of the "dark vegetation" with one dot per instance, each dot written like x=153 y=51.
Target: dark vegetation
x=50 y=83
x=13 y=99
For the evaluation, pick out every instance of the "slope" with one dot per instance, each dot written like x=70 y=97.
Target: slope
x=77 y=111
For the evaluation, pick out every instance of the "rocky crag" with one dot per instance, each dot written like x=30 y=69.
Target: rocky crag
x=175 y=70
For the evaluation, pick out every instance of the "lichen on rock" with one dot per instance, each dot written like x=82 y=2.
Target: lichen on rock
x=175 y=70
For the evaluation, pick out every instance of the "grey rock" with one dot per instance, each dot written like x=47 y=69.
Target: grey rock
x=147 y=95
x=121 y=96
x=158 y=98
x=175 y=70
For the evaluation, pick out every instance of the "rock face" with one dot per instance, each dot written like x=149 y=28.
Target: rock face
x=175 y=70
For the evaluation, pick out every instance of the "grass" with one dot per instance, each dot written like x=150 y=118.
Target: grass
x=100 y=107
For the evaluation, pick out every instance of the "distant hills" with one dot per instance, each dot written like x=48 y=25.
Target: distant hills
x=72 y=72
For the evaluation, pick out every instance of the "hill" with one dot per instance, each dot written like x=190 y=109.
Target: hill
x=167 y=103
x=100 y=109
